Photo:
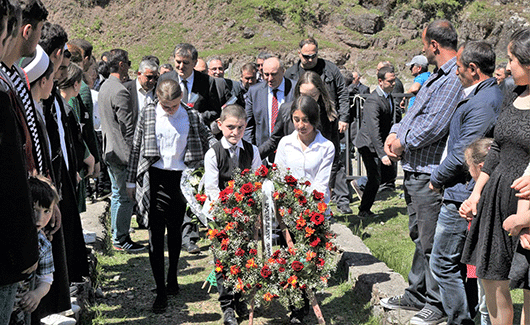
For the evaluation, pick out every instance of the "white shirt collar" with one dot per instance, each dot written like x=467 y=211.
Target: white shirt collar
x=189 y=80
x=227 y=144
x=281 y=87
x=160 y=111
x=470 y=89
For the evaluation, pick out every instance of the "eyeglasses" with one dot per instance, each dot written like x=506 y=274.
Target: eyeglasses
x=129 y=62
x=152 y=77
x=310 y=56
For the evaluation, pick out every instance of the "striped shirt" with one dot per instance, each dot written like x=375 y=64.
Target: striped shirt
x=23 y=93
x=424 y=129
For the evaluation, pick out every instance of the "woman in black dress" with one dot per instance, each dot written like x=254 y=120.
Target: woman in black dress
x=488 y=246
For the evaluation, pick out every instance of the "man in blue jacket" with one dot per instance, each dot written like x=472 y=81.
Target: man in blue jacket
x=474 y=117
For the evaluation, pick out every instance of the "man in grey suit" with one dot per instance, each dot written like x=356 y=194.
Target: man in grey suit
x=118 y=119
x=264 y=100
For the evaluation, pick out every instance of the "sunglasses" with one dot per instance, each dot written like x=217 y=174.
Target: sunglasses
x=309 y=56
x=151 y=77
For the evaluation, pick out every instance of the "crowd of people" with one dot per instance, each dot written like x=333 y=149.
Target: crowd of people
x=68 y=118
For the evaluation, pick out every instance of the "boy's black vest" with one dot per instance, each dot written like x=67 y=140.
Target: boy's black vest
x=226 y=166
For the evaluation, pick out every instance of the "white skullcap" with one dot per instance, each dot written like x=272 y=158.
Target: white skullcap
x=38 y=65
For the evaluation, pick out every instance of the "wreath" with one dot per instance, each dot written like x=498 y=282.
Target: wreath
x=289 y=271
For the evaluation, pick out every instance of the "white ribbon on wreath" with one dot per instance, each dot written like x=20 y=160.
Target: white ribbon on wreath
x=268 y=215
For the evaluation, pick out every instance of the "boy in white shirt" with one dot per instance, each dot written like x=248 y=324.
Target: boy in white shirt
x=219 y=164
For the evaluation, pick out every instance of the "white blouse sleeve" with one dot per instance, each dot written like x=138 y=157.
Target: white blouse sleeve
x=211 y=175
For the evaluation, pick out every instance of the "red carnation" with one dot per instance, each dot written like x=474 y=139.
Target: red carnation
x=262 y=171
x=234 y=269
x=253 y=251
x=236 y=211
x=281 y=269
x=247 y=189
x=291 y=181
x=266 y=272
x=302 y=200
x=315 y=242
x=240 y=252
x=201 y=198
x=251 y=202
x=274 y=166
x=320 y=262
x=318 y=195
x=223 y=196
x=317 y=218
x=307 y=183
x=297 y=266
x=245 y=171
x=276 y=254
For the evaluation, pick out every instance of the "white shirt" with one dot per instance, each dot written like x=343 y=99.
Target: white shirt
x=313 y=164
x=189 y=84
x=171 y=138
x=62 y=136
x=280 y=95
x=141 y=95
x=211 y=170
x=95 y=112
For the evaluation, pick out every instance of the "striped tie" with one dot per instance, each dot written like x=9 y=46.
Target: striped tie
x=274 y=114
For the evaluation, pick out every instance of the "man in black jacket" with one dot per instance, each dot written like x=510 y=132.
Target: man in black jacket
x=377 y=119
x=332 y=78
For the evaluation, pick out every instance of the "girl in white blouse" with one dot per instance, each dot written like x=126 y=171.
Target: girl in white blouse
x=307 y=154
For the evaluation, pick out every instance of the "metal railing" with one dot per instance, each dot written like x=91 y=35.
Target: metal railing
x=357 y=106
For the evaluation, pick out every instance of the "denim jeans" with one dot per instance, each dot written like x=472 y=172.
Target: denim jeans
x=423 y=207
x=121 y=206
x=445 y=263
x=7 y=301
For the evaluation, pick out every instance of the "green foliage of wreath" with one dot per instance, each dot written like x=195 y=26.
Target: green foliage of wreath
x=288 y=272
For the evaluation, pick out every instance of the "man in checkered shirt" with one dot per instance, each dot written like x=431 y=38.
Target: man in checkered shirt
x=419 y=142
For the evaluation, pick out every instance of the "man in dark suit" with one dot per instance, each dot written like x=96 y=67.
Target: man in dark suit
x=191 y=81
x=377 y=119
x=264 y=100
x=143 y=87
x=118 y=119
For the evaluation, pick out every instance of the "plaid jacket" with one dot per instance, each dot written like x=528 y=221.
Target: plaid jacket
x=145 y=152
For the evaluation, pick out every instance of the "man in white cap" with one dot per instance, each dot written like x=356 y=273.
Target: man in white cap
x=418 y=67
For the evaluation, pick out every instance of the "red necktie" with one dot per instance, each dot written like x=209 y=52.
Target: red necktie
x=274 y=114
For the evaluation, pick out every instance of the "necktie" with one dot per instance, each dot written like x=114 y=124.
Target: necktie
x=185 y=91
x=233 y=156
x=274 y=114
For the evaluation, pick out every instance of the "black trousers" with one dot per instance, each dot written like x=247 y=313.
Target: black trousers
x=372 y=163
x=167 y=210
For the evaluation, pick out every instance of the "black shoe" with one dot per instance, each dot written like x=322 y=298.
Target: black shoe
x=160 y=304
x=428 y=316
x=242 y=310
x=229 y=317
x=191 y=248
x=398 y=302
x=297 y=317
x=129 y=246
x=345 y=209
x=172 y=289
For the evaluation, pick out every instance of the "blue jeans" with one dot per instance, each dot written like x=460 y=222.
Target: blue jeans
x=121 y=206
x=423 y=207
x=7 y=301
x=445 y=263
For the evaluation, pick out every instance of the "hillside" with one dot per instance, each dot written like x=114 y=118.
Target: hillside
x=353 y=33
